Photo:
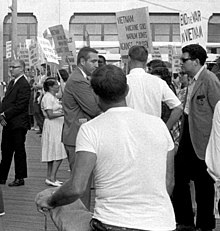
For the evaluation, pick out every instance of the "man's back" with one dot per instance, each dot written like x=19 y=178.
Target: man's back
x=130 y=172
x=79 y=105
x=147 y=92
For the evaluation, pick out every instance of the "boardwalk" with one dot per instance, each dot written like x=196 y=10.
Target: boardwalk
x=21 y=213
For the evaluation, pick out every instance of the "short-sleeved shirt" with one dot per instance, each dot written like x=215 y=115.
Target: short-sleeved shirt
x=147 y=92
x=130 y=171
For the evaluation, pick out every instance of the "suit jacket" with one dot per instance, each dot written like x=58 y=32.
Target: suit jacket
x=205 y=95
x=15 y=105
x=79 y=105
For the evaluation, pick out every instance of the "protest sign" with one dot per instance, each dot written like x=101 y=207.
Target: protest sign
x=133 y=29
x=192 y=28
x=8 y=49
x=61 y=42
x=23 y=53
x=33 y=54
x=47 y=50
x=156 y=53
x=176 y=63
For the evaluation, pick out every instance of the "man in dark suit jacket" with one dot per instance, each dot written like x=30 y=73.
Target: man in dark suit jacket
x=79 y=103
x=15 y=121
x=202 y=95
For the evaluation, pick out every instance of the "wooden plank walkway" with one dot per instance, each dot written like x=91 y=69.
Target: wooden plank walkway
x=21 y=213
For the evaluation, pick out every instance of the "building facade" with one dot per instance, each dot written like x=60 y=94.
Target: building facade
x=97 y=18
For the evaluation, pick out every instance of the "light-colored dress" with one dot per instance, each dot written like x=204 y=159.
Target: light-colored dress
x=52 y=147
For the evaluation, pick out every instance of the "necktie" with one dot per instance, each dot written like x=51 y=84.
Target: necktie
x=11 y=84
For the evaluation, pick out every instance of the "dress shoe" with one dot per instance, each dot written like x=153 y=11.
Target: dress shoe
x=2 y=181
x=16 y=182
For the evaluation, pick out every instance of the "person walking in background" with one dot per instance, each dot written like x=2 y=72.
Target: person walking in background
x=53 y=151
x=15 y=121
x=38 y=86
x=79 y=104
x=202 y=95
x=62 y=76
x=146 y=91
x=102 y=61
x=128 y=151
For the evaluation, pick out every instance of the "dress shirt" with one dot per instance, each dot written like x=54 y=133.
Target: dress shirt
x=191 y=85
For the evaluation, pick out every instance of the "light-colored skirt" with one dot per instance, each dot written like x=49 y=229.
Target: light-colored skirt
x=52 y=147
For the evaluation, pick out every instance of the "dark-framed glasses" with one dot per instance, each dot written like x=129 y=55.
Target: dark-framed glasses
x=185 y=59
x=13 y=67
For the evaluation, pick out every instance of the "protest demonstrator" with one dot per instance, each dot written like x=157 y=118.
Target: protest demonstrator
x=79 y=104
x=53 y=151
x=124 y=175
x=15 y=121
x=146 y=91
x=202 y=95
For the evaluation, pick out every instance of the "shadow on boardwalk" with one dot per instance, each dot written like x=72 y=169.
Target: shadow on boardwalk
x=21 y=213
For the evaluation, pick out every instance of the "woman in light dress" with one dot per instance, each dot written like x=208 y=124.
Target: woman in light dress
x=53 y=151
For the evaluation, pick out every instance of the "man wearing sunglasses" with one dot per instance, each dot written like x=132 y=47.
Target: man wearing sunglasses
x=202 y=95
x=15 y=121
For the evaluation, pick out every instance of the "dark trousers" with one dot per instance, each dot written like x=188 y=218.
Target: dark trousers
x=38 y=116
x=13 y=143
x=189 y=167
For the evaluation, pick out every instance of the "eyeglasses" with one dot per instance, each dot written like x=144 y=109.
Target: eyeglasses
x=185 y=59
x=13 y=67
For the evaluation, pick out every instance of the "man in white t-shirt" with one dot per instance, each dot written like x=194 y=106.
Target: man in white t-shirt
x=146 y=91
x=131 y=156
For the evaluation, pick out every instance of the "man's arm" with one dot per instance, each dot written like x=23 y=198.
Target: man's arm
x=174 y=116
x=170 y=172
x=86 y=98
x=74 y=188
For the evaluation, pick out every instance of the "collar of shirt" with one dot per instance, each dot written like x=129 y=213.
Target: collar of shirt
x=198 y=73
x=19 y=78
x=84 y=74
x=137 y=70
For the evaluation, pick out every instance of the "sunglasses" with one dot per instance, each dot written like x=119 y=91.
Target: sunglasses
x=13 y=67
x=186 y=59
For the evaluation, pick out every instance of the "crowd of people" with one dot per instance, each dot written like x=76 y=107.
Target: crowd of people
x=142 y=138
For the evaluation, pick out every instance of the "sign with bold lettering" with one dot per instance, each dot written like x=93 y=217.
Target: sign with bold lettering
x=133 y=29
x=176 y=64
x=192 y=28
x=60 y=41
x=47 y=50
x=33 y=54
x=8 y=49
x=156 y=53
x=23 y=53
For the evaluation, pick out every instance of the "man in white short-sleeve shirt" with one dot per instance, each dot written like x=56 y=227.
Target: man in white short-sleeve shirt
x=146 y=91
x=131 y=156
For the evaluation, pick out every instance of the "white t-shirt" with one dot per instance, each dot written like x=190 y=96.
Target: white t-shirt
x=146 y=92
x=130 y=171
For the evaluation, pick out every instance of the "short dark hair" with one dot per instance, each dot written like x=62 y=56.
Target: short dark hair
x=138 y=53
x=83 y=53
x=196 y=52
x=102 y=57
x=156 y=63
x=164 y=74
x=49 y=82
x=46 y=67
x=64 y=74
x=109 y=83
